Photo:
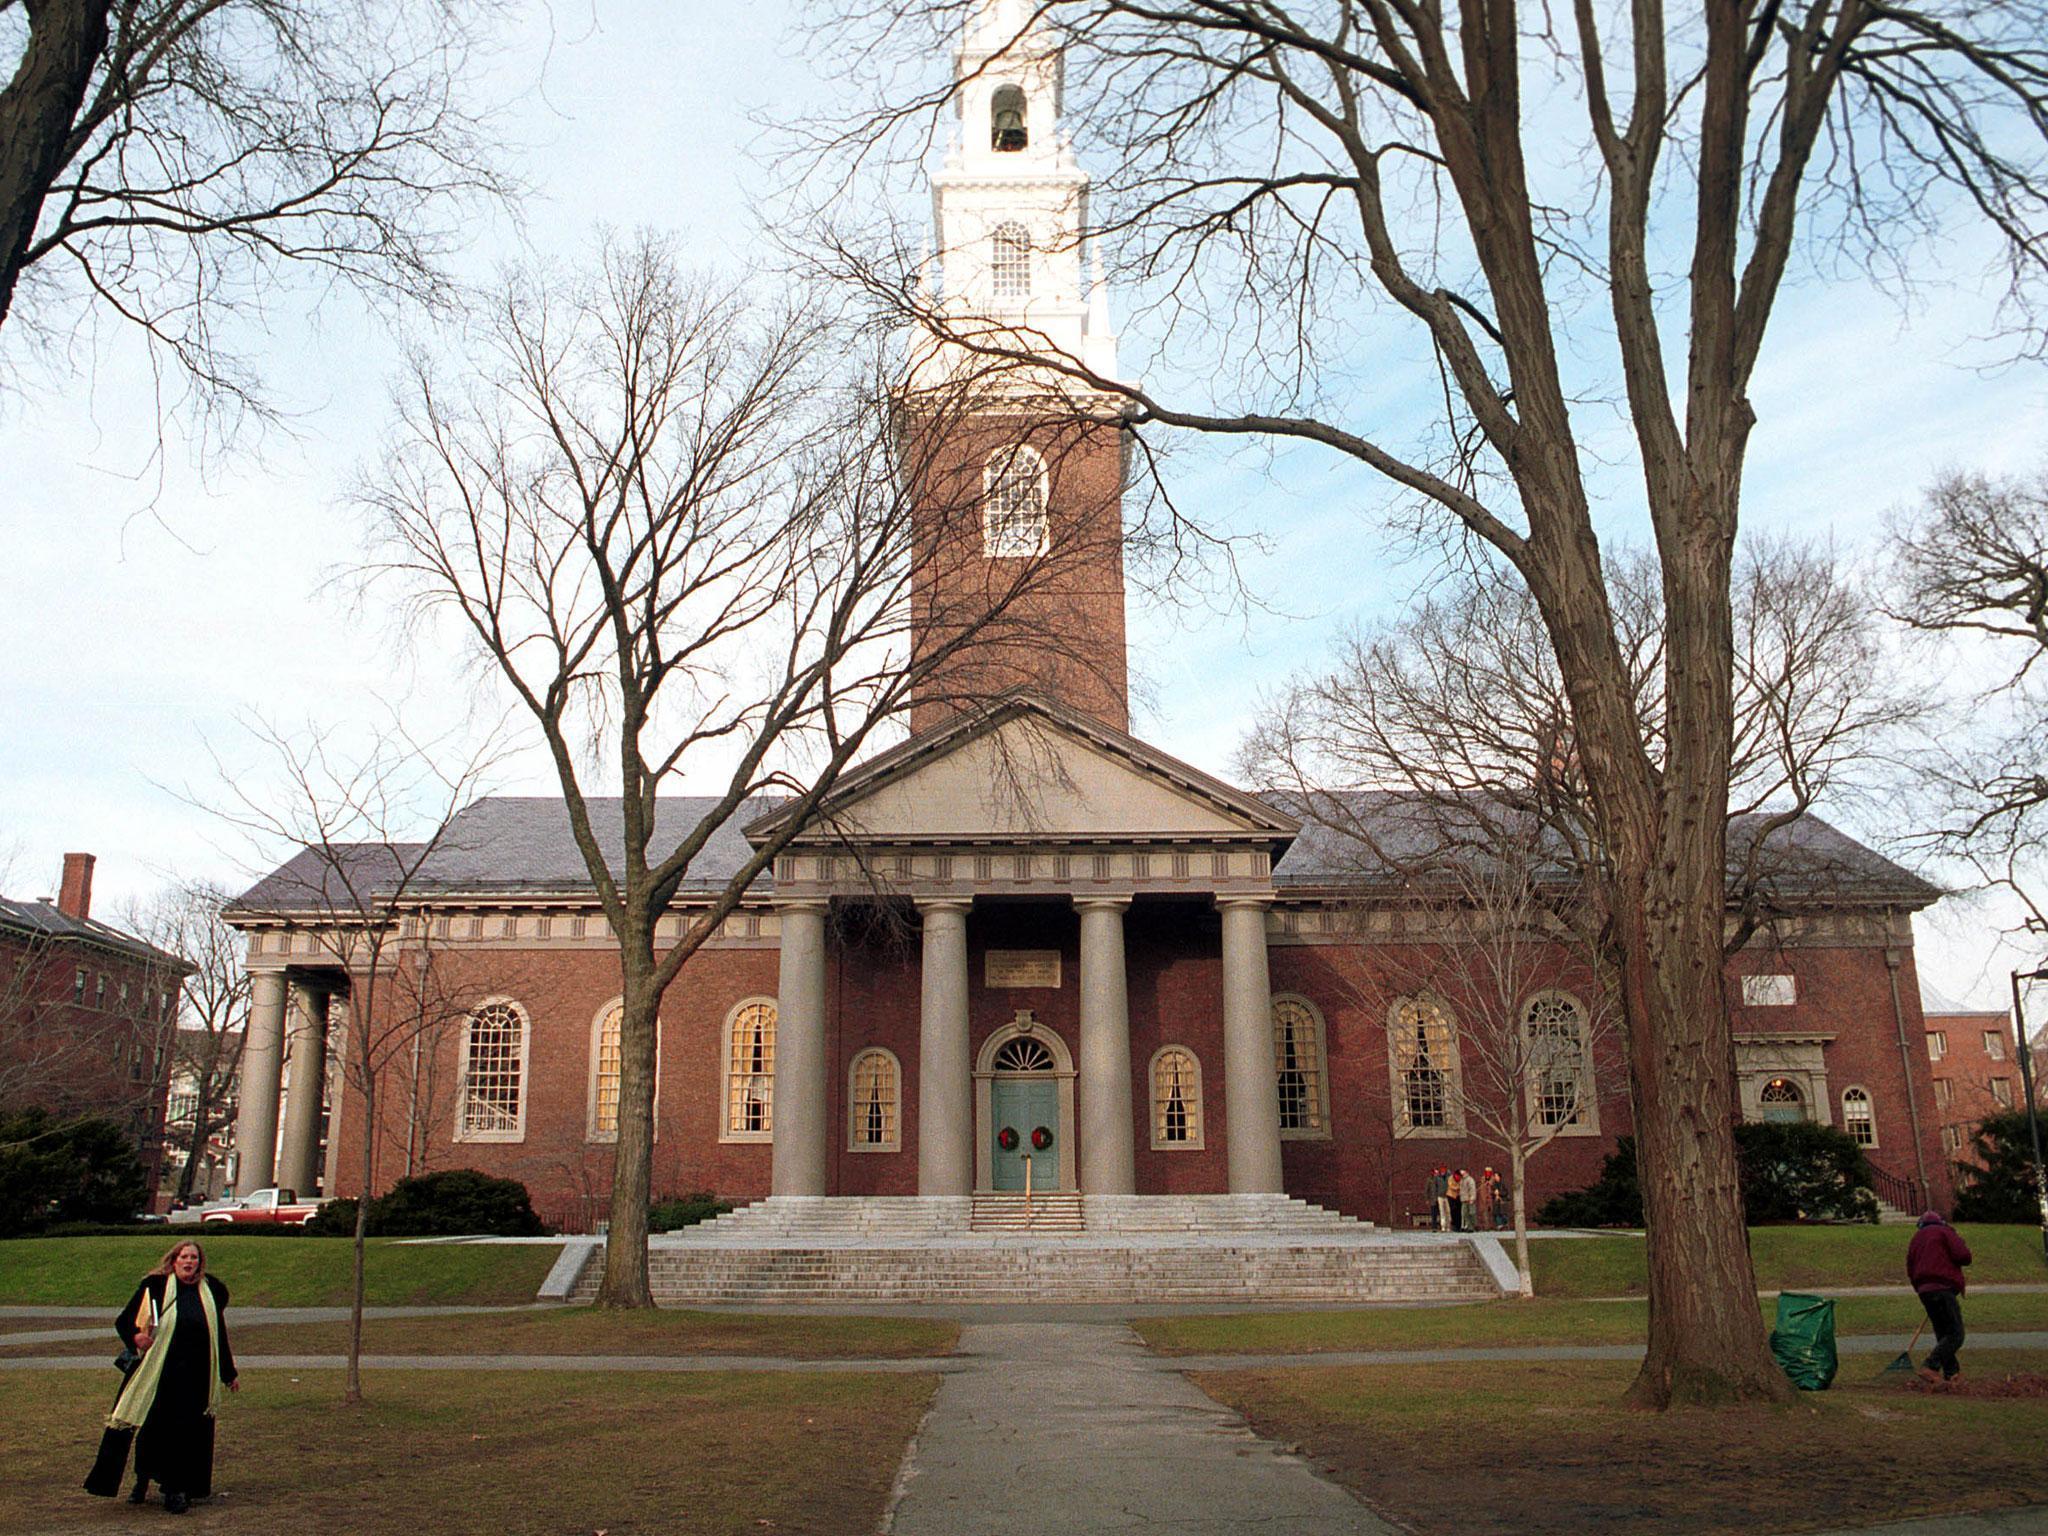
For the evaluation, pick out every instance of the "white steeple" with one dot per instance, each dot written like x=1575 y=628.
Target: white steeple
x=1010 y=204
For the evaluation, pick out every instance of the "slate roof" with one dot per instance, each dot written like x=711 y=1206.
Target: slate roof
x=1806 y=859
x=511 y=845
x=41 y=920
x=502 y=845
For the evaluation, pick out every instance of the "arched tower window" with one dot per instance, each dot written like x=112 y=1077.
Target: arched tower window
x=871 y=1112
x=750 y=1072
x=1013 y=522
x=1176 y=1100
x=1010 y=261
x=1858 y=1117
x=1423 y=1044
x=492 y=1098
x=1008 y=130
x=1298 y=1060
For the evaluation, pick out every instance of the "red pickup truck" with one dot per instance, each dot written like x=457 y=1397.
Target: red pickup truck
x=277 y=1207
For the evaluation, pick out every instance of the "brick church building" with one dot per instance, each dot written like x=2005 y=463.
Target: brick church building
x=1024 y=943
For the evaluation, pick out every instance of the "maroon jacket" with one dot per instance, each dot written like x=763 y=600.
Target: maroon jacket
x=1936 y=1256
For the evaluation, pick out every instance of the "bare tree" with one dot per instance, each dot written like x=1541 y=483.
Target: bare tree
x=205 y=1047
x=689 y=534
x=360 y=828
x=1971 y=570
x=1296 y=175
x=166 y=162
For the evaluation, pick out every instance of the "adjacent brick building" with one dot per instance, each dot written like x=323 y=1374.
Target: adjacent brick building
x=1976 y=1072
x=86 y=1013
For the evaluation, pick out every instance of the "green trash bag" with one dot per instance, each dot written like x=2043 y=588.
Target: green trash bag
x=1804 y=1340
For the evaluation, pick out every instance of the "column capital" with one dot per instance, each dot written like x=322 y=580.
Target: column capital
x=1087 y=903
x=817 y=904
x=1228 y=899
x=927 y=904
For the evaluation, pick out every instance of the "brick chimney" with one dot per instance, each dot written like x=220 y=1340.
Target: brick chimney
x=75 y=897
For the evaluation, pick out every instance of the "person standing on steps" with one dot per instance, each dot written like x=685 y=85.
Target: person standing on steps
x=1468 y=1199
x=176 y=1322
x=1439 y=1198
x=1489 y=1200
x=1935 y=1260
x=1455 y=1191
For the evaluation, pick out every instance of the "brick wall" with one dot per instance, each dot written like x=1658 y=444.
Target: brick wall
x=1978 y=1050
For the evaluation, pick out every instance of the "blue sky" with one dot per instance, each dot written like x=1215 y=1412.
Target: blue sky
x=145 y=603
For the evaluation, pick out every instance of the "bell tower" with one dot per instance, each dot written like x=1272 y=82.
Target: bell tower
x=1019 y=529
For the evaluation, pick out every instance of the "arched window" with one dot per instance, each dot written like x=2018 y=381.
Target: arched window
x=604 y=1072
x=876 y=1090
x=1010 y=261
x=1782 y=1102
x=1422 y=1043
x=1008 y=129
x=750 y=1072
x=1024 y=1055
x=1013 y=522
x=1858 y=1118
x=491 y=1102
x=1176 y=1100
x=1560 y=1065
x=1298 y=1058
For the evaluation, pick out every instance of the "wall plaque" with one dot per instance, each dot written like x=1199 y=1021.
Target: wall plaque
x=1010 y=968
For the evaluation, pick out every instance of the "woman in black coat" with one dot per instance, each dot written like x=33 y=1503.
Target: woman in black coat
x=177 y=1322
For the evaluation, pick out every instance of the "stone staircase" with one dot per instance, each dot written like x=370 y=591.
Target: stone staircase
x=1108 y=1249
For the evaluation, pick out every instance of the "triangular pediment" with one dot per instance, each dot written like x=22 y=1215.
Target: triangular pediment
x=1027 y=770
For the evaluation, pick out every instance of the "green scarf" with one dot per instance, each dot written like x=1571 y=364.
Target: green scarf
x=132 y=1407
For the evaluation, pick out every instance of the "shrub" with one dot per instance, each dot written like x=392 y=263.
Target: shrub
x=53 y=1171
x=457 y=1202
x=1999 y=1185
x=673 y=1211
x=1789 y=1173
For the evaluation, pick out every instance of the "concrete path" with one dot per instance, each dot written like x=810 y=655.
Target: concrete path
x=1074 y=1428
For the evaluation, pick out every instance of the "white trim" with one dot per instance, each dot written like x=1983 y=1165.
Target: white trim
x=726 y=1133
x=1454 y=1072
x=1196 y=1142
x=894 y=1141
x=518 y=1132
x=1588 y=1121
x=1869 y=1104
x=590 y=1131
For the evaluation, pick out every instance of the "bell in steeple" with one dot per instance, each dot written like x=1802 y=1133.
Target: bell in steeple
x=1007 y=131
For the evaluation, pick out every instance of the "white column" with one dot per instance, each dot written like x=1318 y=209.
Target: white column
x=262 y=1067
x=1251 y=1090
x=802 y=1081
x=945 y=1072
x=298 y=1160
x=1105 y=1067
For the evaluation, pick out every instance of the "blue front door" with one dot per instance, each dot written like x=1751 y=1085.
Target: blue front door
x=1020 y=1106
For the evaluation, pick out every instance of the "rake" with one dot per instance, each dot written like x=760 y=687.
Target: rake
x=1905 y=1360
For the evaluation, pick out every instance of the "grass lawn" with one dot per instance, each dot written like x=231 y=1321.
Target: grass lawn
x=583 y=1331
x=275 y=1271
x=1536 y=1449
x=1788 y=1258
x=454 y=1453
x=1526 y=1322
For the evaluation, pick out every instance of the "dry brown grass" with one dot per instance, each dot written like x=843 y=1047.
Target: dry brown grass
x=495 y=1454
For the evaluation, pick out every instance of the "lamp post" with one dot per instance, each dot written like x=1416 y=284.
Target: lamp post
x=2019 y=1024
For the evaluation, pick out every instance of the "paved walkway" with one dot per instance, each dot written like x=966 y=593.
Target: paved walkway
x=1076 y=1424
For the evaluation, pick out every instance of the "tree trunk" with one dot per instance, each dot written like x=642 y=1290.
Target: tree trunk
x=625 y=1282
x=37 y=109
x=352 y=1389
x=202 y=1126
x=1518 y=1166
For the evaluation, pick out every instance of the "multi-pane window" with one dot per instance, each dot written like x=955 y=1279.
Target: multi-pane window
x=1937 y=1044
x=1944 y=1091
x=1010 y=261
x=872 y=1115
x=604 y=1073
x=1176 y=1100
x=1024 y=1055
x=2001 y=1091
x=750 y=1071
x=1952 y=1138
x=1013 y=522
x=1994 y=1044
x=1298 y=1058
x=1424 y=1045
x=1857 y=1117
x=1769 y=991
x=1560 y=1069
x=493 y=1102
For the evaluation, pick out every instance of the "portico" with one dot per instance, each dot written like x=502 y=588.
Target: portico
x=1030 y=805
